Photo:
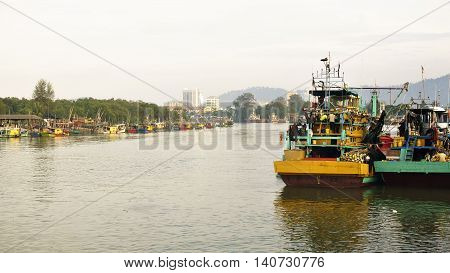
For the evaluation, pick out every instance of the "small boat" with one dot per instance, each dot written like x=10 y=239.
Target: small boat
x=176 y=127
x=274 y=118
x=143 y=130
x=34 y=133
x=186 y=126
x=112 y=130
x=121 y=128
x=132 y=130
x=45 y=133
x=253 y=118
x=74 y=132
x=199 y=126
x=158 y=126
x=9 y=132
x=58 y=132
x=24 y=133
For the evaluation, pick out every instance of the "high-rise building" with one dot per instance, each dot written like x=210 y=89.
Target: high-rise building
x=213 y=103
x=192 y=97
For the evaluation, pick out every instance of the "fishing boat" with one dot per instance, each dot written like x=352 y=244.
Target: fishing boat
x=112 y=130
x=186 y=126
x=35 y=133
x=74 y=131
x=335 y=145
x=24 y=133
x=175 y=127
x=274 y=118
x=45 y=132
x=142 y=130
x=253 y=118
x=58 y=132
x=209 y=125
x=10 y=132
x=133 y=129
x=121 y=128
x=159 y=126
x=199 y=126
x=423 y=149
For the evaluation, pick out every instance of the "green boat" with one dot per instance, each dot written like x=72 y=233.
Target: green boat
x=414 y=173
x=423 y=157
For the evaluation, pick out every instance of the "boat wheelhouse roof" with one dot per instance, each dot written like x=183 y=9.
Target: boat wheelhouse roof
x=428 y=108
x=333 y=92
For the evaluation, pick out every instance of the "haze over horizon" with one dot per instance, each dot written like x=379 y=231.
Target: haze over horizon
x=216 y=46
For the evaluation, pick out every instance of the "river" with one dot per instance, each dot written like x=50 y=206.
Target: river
x=211 y=190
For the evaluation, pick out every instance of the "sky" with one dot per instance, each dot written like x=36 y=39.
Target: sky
x=216 y=46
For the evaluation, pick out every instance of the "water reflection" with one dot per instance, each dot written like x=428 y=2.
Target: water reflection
x=357 y=220
x=421 y=217
x=321 y=220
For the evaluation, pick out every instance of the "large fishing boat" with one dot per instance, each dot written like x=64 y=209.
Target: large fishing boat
x=336 y=143
x=423 y=149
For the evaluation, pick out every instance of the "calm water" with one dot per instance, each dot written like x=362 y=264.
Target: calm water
x=161 y=194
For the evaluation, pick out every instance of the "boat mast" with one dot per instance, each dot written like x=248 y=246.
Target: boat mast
x=327 y=83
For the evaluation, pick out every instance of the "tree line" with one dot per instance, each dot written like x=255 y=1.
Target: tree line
x=44 y=105
x=246 y=104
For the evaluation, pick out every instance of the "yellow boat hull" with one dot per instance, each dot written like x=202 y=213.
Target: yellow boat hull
x=319 y=173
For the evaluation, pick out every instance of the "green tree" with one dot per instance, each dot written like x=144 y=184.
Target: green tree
x=245 y=104
x=43 y=96
x=277 y=106
x=295 y=104
x=3 y=108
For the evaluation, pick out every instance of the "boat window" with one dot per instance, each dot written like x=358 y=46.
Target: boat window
x=426 y=118
x=442 y=117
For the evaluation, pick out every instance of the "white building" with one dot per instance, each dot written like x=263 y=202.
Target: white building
x=213 y=103
x=192 y=97
x=173 y=104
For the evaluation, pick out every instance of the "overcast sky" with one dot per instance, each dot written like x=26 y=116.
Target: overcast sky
x=216 y=46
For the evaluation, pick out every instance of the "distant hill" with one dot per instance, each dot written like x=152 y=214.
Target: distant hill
x=262 y=94
x=267 y=94
x=431 y=88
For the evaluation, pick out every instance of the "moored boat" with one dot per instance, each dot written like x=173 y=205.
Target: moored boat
x=58 y=132
x=335 y=144
x=121 y=128
x=10 y=132
x=422 y=149
x=414 y=173
x=199 y=126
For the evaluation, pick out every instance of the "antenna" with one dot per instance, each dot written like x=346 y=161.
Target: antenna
x=439 y=97
x=435 y=97
x=423 y=85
